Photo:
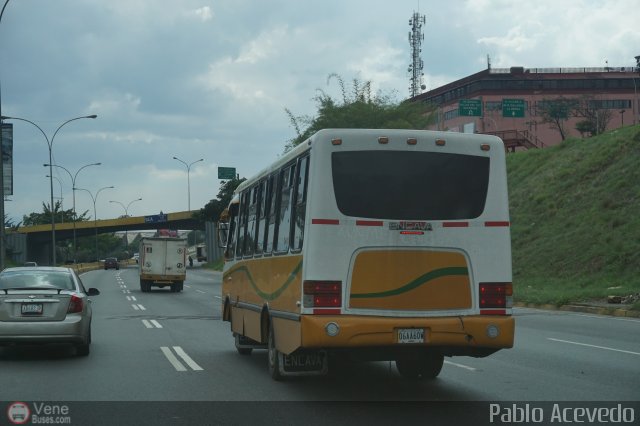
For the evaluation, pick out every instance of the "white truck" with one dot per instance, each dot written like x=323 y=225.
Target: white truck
x=162 y=263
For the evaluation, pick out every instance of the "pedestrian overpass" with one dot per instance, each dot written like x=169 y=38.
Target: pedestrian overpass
x=33 y=243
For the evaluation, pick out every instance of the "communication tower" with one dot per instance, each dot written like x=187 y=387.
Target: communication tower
x=416 y=66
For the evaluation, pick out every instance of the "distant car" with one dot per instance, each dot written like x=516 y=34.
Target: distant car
x=30 y=264
x=111 y=262
x=136 y=257
x=40 y=305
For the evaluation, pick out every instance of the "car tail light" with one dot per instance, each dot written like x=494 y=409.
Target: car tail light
x=322 y=294
x=496 y=295
x=75 y=305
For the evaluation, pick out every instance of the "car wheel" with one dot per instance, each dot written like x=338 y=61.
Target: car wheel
x=84 y=349
x=274 y=357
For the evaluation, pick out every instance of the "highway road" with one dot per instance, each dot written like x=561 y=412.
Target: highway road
x=163 y=346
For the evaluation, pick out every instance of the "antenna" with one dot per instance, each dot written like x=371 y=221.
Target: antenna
x=415 y=41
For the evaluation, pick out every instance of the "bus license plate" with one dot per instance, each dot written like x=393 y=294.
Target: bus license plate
x=411 y=335
x=304 y=361
x=32 y=309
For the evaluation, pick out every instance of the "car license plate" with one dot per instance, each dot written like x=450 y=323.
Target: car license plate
x=32 y=309
x=411 y=335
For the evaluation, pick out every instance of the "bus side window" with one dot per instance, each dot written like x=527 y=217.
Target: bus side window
x=260 y=215
x=299 y=210
x=284 y=213
x=233 y=225
x=252 y=199
x=242 y=224
x=270 y=229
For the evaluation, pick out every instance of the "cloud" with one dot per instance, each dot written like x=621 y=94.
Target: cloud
x=204 y=13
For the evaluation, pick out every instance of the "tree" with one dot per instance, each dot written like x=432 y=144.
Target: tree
x=359 y=109
x=60 y=216
x=556 y=112
x=596 y=119
x=212 y=210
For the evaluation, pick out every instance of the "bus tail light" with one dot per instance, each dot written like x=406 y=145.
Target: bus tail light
x=496 y=295
x=322 y=294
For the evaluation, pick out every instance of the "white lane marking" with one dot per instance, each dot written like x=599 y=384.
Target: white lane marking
x=135 y=307
x=608 y=317
x=187 y=286
x=191 y=363
x=142 y=308
x=151 y=324
x=172 y=359
x=218 y=297
x=200 y=291
x=133 y=298
x=466 y=367
x=594 y=346
x=129 y=298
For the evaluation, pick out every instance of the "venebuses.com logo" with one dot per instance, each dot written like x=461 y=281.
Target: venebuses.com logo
x=18 y=413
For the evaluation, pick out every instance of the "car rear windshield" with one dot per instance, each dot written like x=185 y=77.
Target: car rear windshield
x=40 y=280
x=410 y=185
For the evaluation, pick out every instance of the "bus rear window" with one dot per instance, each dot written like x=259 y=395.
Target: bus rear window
x=404 y=185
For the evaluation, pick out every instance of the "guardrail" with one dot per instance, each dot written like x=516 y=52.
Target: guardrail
x=81 y=268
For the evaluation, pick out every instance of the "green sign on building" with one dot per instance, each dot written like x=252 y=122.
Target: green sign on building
x=470 y=107
x=226 y=172
x=513 y=108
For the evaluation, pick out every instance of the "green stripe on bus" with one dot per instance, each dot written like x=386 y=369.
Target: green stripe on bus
x=275 y=294
x=423 y=279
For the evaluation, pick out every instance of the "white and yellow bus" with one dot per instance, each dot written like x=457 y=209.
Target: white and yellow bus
x=375 y=244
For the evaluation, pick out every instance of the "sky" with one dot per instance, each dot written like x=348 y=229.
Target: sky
x=211 y=79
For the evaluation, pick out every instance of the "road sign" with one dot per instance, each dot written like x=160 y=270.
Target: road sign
x=226 y=172
x=156 y=218
x=513 y=108
x=470 y=107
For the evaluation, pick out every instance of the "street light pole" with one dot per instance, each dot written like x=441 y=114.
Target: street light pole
x=61 y=198
x=2 y=250
x=126 y=214
x=636 y=103
x=188 y=181
x=73 y=187
x=95 y=214
x=50 y=146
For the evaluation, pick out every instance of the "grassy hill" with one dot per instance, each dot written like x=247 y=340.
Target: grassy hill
x=575 y=212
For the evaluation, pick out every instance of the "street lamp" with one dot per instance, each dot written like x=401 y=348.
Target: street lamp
x=126 y=214
x=50 y=146
x=188 y=182
x=73 y=186
x=95 y=215
x=2 y=250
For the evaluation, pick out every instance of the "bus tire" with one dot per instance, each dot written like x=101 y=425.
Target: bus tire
x=273 y=356
x=427 y=366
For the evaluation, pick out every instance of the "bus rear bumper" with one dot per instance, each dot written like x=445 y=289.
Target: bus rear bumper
x=462 y=335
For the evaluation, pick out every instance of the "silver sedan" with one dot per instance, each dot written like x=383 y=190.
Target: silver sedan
x=45 y=305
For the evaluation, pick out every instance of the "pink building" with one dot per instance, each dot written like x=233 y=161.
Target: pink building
x=508 y=102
